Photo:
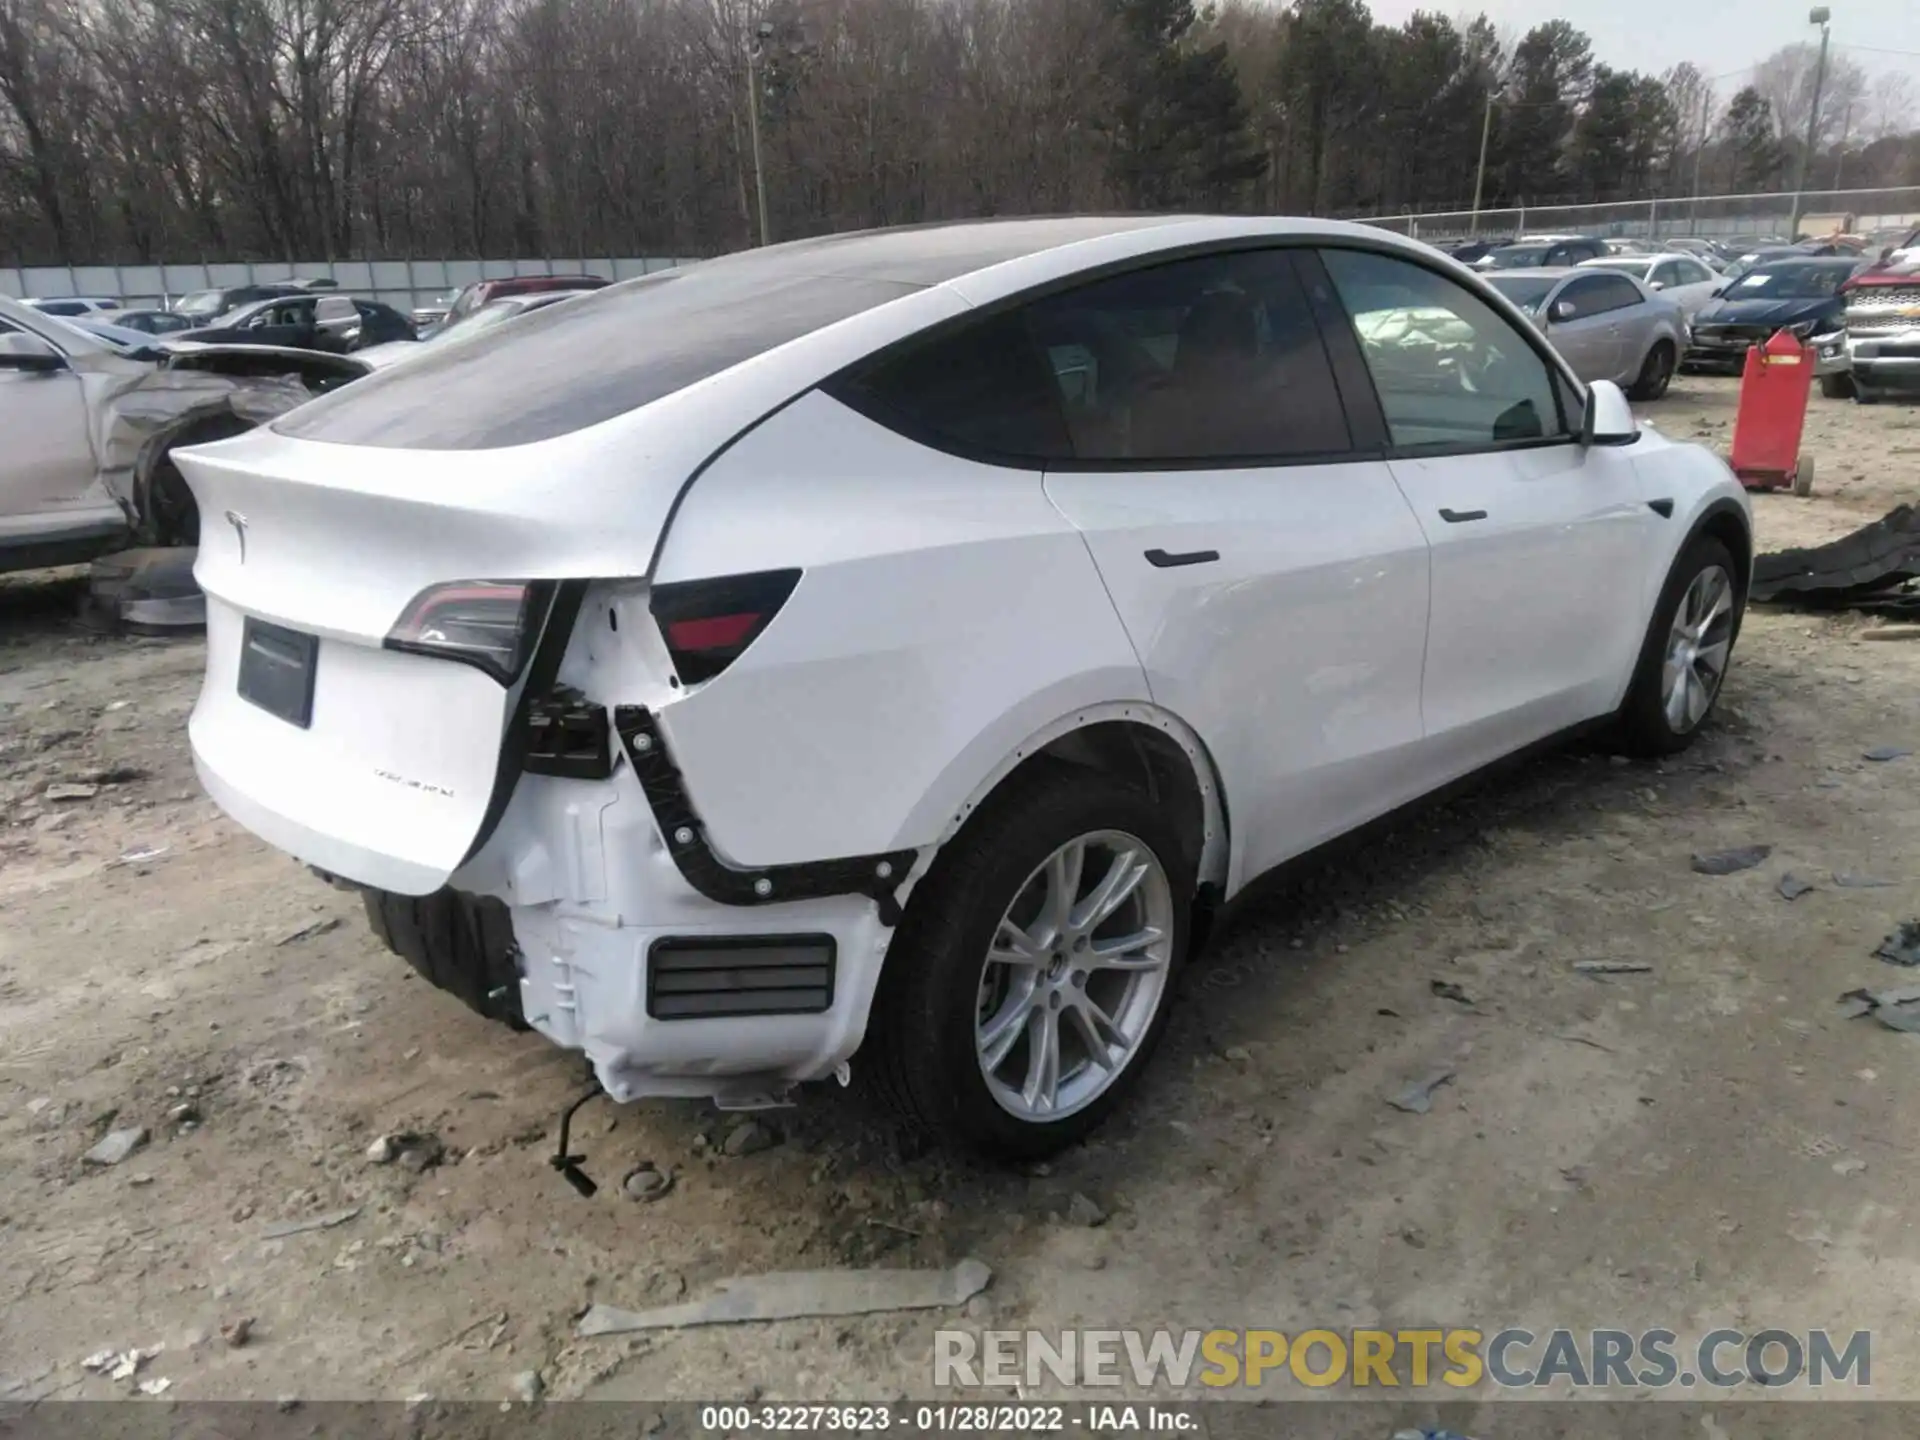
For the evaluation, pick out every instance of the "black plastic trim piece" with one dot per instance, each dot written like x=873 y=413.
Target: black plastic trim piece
x=568 y=736
x=734 y=945
x=1662 y=508
x=875 y=876
x=1460 y=517
x=548 y=652
x=1168 y=560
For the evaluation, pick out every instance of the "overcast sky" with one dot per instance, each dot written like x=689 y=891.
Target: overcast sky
x=1718 y=37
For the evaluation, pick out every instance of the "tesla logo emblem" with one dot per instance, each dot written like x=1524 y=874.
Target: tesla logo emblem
x=239 y=523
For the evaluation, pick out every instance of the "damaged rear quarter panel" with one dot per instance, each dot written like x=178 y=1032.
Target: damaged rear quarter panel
x=137 y=413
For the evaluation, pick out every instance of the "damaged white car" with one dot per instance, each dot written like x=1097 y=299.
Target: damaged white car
x=90 y=426
x=902 y=643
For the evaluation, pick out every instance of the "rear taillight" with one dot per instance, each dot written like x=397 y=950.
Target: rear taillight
x=707 y=624
x=489 y=624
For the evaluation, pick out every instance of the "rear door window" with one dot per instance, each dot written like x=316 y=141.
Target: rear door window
x=1211 y=360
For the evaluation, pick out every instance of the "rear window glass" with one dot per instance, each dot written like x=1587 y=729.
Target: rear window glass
x=569 y=366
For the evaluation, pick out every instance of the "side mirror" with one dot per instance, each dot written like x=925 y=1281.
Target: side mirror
x=1656 y=285
x=1608 y=419
x=30 y=355
x=1560 y=311
x=1718 y=291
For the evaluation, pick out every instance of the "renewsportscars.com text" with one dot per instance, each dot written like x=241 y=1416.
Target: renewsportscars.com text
x=1461 y=1358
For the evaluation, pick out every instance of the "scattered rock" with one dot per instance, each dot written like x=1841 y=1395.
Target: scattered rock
x=646 y=1183
x=1848 y=1167
x=1613 y=967
x=1792 y=887
x=309 y=930
x=1417 y=1098
x=72 y=792
x=1903 y=946
x=1447 y=990
x=526 y=1387
x=116 y=1146
x=749 y=1137
x=1729 y=862
x=185 y=1113
x=414 y=1150
x=1238 y=1054
x=1083 y=1209
x=1414 y=1236
x=140 y=1179
x=1883 y=753
x=158 y=1386
x=237 y=1332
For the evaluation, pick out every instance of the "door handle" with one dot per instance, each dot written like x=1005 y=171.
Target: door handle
x=1458 y=517
x=1166 y=560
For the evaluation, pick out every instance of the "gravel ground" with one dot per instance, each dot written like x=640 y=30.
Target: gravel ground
x=1702 y=1143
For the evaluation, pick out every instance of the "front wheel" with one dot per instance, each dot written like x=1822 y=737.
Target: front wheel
x=1836 y=387
x=1684 y=658
x=1033 y=973
x=1656 y=374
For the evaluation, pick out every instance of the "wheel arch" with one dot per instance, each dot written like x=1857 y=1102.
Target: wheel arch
x=1140 y=742
x=204 y=424
x=1726 y=521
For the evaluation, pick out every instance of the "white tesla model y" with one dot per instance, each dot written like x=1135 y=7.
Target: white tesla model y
x=900 y=642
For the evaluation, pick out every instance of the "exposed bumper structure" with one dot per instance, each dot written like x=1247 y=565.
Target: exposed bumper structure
x=666 y=991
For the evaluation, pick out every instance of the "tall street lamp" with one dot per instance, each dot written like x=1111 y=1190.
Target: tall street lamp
x=1819 y=15
x=753 y=120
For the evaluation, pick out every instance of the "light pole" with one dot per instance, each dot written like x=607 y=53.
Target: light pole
x=753 y=121
x=1480 y=173
x=1699 y=153
x=1819 y=15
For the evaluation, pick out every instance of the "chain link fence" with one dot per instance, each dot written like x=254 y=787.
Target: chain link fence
x=1858 y=212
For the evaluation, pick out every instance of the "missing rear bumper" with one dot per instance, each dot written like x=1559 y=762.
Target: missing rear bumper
x=875 y=876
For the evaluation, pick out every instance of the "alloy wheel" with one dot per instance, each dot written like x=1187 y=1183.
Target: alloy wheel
x=1697 y=648
x=1074 y=976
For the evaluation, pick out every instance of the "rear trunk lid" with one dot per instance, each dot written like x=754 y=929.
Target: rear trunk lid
x=385 y=771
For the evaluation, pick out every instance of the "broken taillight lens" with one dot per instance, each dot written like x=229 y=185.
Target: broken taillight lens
x=489 y=624
x=708 y=624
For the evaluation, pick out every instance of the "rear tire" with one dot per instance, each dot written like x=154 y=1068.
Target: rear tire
x=1651 y=722
x=944 y=1007
x=461 y=944
x=1656 y=373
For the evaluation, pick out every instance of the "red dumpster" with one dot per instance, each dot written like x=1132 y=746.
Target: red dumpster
x=1773 y=412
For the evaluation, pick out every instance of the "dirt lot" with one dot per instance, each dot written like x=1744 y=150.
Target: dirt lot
x=1702 y=1144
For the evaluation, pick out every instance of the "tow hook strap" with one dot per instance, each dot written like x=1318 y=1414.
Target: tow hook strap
x=569 y=1165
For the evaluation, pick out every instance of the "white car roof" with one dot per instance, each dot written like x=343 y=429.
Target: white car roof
x=753 y=329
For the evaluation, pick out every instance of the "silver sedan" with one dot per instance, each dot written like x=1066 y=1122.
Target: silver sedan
x=1608 y=325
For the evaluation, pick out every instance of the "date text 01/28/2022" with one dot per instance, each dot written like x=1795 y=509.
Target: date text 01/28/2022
x=946 y=1418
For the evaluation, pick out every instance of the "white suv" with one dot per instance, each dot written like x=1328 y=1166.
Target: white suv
x=902 y=642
